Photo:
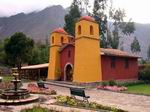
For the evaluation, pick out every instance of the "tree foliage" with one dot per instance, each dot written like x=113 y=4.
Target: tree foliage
x=135 y=46
x=100 y=17
x=72 y=17
x=119 y=27
x=148 y=52
x=84 y=6
x=111 y=32
x=3 y=58
x=117 y=17
x=40 y=54
x=18 y=49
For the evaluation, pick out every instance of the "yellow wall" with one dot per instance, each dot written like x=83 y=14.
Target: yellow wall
x=85 y=29
x=87 y=65
x=54 y=63
x=54 y=58
x=57 y=38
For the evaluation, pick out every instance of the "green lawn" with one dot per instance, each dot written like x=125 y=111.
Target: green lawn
x=139 y=89
x=7 y=78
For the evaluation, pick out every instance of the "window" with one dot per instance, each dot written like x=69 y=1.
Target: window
x=52 y=39
x=62 y=40
x=69 y=54
x=126 y=63
x=79 y=29
x=113 y=62
x=91 y=30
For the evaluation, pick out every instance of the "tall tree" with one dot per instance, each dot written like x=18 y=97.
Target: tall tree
x=111 y=32
x=2 y=52
x=148 y=52
x=135 y=46
x=99 y=14
x=119 y=27
x=72 y=17
x=18 y=49
x=39 y=54
x=87 y=5
x=84 y=6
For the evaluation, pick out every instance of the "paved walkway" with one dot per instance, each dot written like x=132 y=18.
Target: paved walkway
x=130 y=102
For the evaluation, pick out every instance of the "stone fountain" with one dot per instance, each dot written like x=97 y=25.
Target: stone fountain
x=16 y=95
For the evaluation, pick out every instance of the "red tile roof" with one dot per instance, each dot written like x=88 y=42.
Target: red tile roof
x=106 y=51
x=88 y=18
x=116 y=52
x=45 y=65
x=59 y=30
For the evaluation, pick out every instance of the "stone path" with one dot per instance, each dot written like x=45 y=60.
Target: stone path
x=130 y=102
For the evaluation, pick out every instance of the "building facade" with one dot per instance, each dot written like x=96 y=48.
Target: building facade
x=80 y=59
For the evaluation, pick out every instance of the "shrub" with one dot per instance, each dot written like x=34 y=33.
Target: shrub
x=62 y=99
x=66 y=100
x=145 y=74
x=112 y=83
x=104 y=83
x=72 y=102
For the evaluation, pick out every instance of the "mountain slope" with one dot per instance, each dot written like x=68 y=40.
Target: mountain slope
x=37 y=25
x=143 y=35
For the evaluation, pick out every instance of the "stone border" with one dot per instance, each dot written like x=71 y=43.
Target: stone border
x=32 y=98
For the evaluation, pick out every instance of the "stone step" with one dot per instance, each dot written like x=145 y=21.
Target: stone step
x=67 y=85
x=63 y=82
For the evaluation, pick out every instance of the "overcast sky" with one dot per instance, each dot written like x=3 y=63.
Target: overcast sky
x=138 y=10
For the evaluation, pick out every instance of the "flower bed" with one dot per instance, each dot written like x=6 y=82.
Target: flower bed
x=34 y=89
x=72 y=102
x=112 y=88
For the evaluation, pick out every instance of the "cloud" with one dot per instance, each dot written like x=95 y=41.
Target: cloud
x=138 y=10
x=11 y=7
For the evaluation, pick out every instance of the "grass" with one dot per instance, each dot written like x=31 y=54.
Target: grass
x=7 y=78
x=139 y=89
x=39 y=109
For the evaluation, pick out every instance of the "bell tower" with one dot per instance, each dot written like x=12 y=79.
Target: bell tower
x=57 y=38
x=87 y=64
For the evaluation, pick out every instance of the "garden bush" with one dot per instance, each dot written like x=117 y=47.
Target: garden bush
x=144 y=74
x=104 y=83
x=112 y=83
x=109 y=83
